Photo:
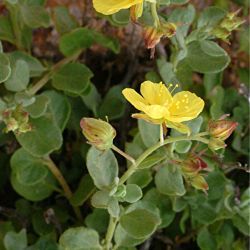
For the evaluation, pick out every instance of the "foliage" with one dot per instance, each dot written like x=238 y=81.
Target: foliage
x=167 y=181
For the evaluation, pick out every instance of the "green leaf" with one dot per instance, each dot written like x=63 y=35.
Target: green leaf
x=166 y=71
x=19 y=77
x=73 y=78
x=163 y=204
x=217 y=99
x=5 y=69
x=133 y=193
x=210 y=17
x=210 y=81
x=5 y=227
x=122 y=238
x=102 y=167
x=34 y=16
x=44 y=243
x=241 y=224
x=184 y=146
x=204 y=213
x=35 y=67
x=16 y=241
x=113 y=207
x=84 y=191
x=6 y=31
x=39 y=107
x=59 y=107
x=82 y=38
x=30 y=176
x=98 y=220
x=113 y=104
x=153 y=159
x=44 y=138
x=92 y=99
x=75 y=40
x=216 y=182
x=39 y=224
x=63 y=20
x=121 y=18
x=205 y=240
x=150 y=133
x=184 y=15
x=79 y=238
x=207 y=57
x=139 y=223
x=107 y=42
x=101 y=199
x=169 y=181
x=141 y=178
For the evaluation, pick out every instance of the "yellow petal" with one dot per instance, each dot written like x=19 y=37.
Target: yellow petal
x=147 y=118
x=156 y=93
x=134 y=98
x=155 y=111
x=180 y=127
x=185 y=106
x=108 y=7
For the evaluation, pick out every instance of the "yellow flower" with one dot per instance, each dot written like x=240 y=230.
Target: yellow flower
x=108 y=7
x=160 y=107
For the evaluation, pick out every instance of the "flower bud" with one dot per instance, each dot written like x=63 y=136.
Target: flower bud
x=136 y=11
x=191 y=166
x=216 y=144
x=221 y=33
x=221 y=129
x=199 y=182
x=153 y=35
x=98 y=133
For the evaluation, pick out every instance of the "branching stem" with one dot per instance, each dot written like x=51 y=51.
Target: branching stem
x=150 y=150
x=58 y=175
x=38 y=85
x=128 y=157
x=110 y=232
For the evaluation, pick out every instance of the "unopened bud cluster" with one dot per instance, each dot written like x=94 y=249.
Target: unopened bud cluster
x=16 y=120
x=191 y=168
x=99 y=134
x=227 y=25
x=220 y=130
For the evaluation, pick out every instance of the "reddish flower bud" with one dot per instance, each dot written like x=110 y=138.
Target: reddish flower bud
x=153 y=35
x=221 y=129
x=192 y=166
x=98 y=133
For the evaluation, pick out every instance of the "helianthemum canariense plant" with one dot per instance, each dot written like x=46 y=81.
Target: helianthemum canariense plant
x=158 y=106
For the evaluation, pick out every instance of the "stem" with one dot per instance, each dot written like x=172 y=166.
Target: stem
x=155 y=15
x=161 y=134
x=38 y=85
x=150 y=150
x=58 y=175
x=110 y=232
x=128 y=157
